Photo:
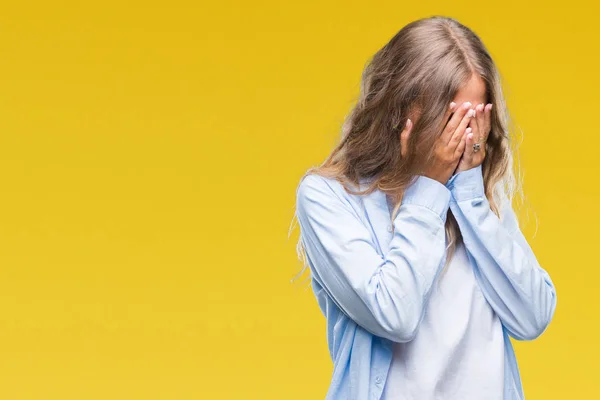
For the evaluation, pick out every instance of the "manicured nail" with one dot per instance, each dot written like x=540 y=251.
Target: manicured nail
x=468 y=130
x=452 y=105
x=408 y=123
x=467 y=104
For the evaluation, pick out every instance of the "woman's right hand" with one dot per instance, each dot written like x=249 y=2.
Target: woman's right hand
x=449 y=146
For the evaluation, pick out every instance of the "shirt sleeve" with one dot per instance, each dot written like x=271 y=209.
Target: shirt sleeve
x=518 y=289
x=386 y=294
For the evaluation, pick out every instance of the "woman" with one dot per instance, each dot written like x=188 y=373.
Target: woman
x=417 y=259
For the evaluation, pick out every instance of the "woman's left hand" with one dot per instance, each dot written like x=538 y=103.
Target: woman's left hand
x=480 y=129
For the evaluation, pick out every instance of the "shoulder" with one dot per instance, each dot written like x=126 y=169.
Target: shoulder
x=317 y=189
x=317 y=185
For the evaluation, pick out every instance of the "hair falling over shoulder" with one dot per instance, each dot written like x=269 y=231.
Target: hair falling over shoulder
x=416 y=75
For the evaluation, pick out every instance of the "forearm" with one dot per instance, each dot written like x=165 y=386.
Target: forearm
x=385 y=294
x=509 y=274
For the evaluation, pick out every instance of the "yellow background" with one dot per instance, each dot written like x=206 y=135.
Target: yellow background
x=150 y=154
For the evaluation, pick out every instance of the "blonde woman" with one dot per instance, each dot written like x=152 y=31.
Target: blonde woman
x=416 y=257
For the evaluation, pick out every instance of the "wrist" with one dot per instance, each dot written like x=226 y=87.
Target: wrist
x=430 y=193
x=467 y=184
x=443 y=179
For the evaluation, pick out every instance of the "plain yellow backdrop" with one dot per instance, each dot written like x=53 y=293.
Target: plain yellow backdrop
x=150 y=154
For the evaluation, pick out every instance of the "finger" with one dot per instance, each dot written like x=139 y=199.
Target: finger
x=447 y=115
x=454 y=122
x=488 y=118
x=404 y=137
x=462 y=144
x=479 y=122
x=469 y=153
x=475 y=127
x=460 y=130
x=451 y=109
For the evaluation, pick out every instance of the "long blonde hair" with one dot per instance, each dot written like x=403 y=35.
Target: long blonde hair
x=418 y=73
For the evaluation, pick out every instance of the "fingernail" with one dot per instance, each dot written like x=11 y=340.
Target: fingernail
x=452 y=105
x=467 y=104
x=408 y=123
x=468 y=130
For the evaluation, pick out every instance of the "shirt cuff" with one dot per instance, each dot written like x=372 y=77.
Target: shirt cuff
x=467 y=185
x=429 y=193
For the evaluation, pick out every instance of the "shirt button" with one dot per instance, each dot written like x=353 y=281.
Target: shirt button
x=390 y=228
x=378 y=379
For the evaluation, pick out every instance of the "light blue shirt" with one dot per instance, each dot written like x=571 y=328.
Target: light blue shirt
x=372 y=281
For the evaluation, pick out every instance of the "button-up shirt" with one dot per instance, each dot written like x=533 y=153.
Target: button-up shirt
x=372 y=280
